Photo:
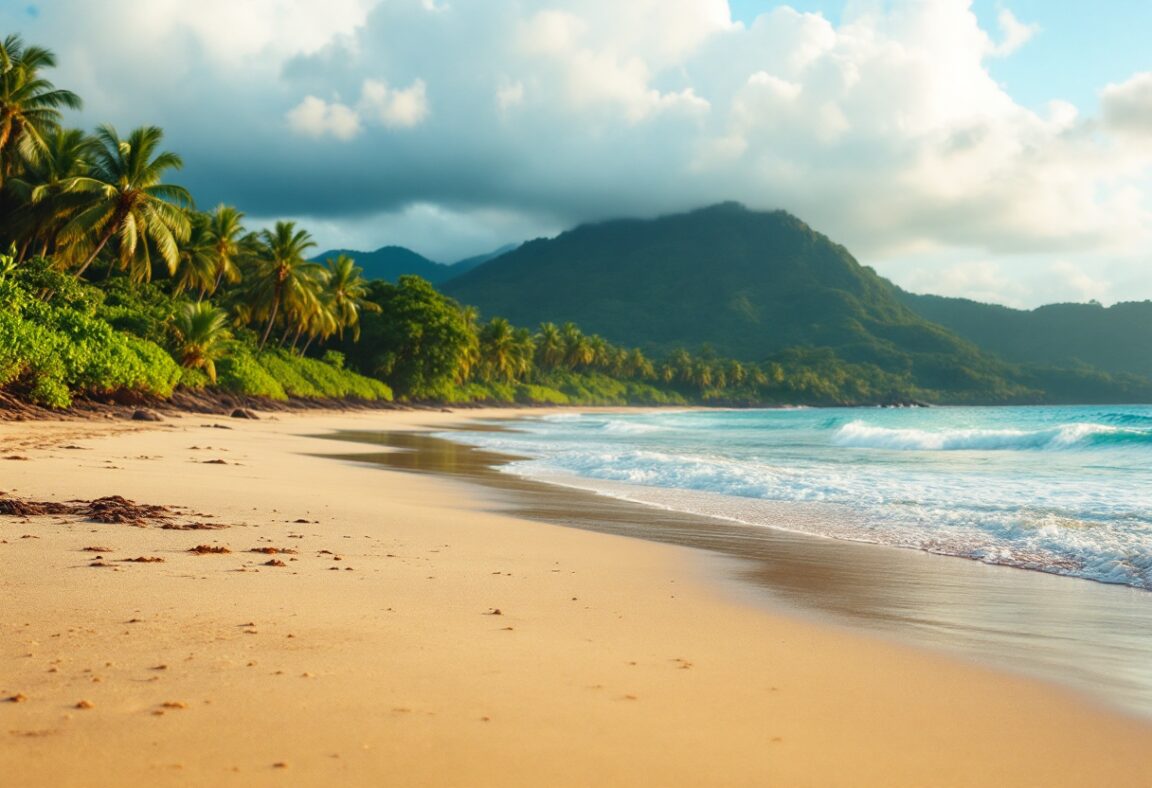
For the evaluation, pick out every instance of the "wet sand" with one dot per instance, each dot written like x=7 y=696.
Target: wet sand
x=1094 y=637
x=415 y=636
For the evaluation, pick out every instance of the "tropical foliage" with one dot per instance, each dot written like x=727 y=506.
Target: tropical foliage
x=115 y=285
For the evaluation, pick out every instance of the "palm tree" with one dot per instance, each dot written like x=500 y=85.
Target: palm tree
x=500 y=350
x=637 y=366
x=229 y=244
x=578 y=353
x=197 y=270
x=129 y=202
x=470 y=351
x=600 y=352
x=283 y=276
x=201 y=330
x=41 y=190
x=523 y=352
x=549 y=347
x=347 y=292
x=29 y=104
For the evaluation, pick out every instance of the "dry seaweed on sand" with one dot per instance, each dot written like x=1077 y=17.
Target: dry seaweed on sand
x=194 y=526
x=109 y=509
x=116 y=509
x=17 y=507
x=207 y=549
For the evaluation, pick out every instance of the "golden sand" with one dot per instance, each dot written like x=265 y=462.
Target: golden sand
x=295 y=620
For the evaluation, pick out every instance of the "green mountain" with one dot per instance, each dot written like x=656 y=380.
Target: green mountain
x=1116 y=339
x=392 y=262
x=758 y=286
x=749 y=284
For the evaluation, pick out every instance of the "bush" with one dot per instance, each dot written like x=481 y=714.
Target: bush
x=51 y=350
x=529 y=394
x=240 y=373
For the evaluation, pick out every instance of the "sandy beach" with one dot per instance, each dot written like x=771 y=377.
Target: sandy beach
x=354 y=625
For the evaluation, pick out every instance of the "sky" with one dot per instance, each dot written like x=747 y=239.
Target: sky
x=993 y=149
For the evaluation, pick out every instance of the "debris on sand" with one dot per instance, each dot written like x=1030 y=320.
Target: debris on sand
x=193 y=526
x=109 y=509
x=275 y=562
x=117 y=509
x=205 y=549
x=17 y=507
x=144 y=559
x=272 y=550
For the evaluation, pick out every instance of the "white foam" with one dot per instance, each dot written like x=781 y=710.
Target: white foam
x=859 y=434
x=954 y=482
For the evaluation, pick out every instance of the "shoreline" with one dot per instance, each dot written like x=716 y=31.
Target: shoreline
x=611 y=660
x=1064 y=630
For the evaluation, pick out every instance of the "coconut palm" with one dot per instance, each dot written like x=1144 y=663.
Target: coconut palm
x=549 y=347
x=201 y=331
x=196 y=270
x=41 y=191
x=637 y=366
x=29 y=104
x=578 y=352
x=505 y=352
x=128 y=201
x=469 y=359
x=229 y=244
x=347 y=293
x=284 y=279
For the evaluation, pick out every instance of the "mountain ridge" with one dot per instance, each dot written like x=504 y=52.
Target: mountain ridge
x=1114 y=339
x=391 y=262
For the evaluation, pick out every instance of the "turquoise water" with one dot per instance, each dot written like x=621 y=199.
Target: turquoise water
x=1064 y=490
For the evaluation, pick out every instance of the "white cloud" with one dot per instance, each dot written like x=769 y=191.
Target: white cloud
x=379 y=104
x=402 y=109
x=314 y=117
x=1015 y=33
x=1128 y=106
x=884 y=130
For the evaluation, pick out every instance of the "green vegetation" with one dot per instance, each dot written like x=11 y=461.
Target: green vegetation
x=766 y=289
x=1113 y=339
x=116 y=286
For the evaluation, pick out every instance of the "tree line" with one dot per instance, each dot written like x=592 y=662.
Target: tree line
x=244 y=309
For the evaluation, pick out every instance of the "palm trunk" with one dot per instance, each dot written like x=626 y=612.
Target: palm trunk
x=271 y=320
x=99 y=248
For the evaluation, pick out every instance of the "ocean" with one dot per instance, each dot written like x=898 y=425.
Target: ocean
x=912 y=523
x=1064 y=490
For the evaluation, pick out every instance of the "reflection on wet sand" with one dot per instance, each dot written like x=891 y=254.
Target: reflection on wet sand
x=1094 y=637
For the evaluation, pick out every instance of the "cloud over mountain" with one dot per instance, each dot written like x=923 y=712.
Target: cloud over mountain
x=885 y=130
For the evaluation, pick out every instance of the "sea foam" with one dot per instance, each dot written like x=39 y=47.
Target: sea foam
x=1061 y=490
x=860 y=434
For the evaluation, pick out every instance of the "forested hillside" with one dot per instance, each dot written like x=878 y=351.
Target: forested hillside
x=1115 y=339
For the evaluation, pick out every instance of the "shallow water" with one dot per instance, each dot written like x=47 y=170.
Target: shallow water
x=1094 y=637
x=1066 y=490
